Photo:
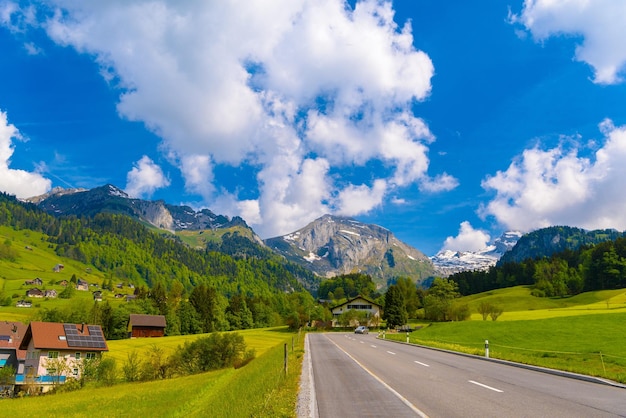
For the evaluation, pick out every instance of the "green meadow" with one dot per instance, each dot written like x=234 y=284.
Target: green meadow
x=583 y=334
x=262 y=388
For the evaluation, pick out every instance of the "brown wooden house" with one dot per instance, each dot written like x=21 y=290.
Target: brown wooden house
x=146 y=326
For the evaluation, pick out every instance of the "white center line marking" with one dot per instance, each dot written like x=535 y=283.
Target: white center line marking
x=422 y=364
x=361 y=342
x=373 y=346
x=485 y=386
x=392 y=353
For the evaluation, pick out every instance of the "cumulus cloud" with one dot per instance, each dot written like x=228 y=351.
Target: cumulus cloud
x=144 y=178
x=20 y=183
x=468 y=239
x=294 y=89
x=559 y=186
x=599 y=22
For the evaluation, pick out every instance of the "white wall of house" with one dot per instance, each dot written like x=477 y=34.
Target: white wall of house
x=360 y=305
x=38 y=362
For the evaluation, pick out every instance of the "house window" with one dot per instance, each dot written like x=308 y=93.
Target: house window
x=78 y=356
x=53 y=354
x=51 y=371
x=90 y=356
x=75 y=372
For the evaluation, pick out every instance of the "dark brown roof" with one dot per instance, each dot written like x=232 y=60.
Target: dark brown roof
x=47 y=335
x=11 y=334
x=157 y=321
x=355 y=298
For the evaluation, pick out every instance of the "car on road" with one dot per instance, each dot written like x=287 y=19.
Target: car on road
x=361 y=330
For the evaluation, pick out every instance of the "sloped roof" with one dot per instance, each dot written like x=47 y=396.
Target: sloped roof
x=355 y=298
x=11 y=334
x=53 y=335
x=157 y=321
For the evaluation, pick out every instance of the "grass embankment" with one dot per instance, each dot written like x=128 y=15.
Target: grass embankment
x=582 y=334
x=259 y=389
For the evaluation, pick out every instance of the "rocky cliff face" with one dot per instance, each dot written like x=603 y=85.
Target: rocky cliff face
x=110 y=199
x=334 y=245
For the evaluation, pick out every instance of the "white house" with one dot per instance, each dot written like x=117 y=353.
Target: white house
x=55 y=351
x=373 y=311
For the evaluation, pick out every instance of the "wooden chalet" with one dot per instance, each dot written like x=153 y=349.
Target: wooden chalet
x=140 y=326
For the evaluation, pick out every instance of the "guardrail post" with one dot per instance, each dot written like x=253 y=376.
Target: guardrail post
x=487 y=348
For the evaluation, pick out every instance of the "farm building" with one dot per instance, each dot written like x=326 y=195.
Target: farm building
x=146 y=326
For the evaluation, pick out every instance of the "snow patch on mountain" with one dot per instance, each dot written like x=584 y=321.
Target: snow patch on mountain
x=448 y=262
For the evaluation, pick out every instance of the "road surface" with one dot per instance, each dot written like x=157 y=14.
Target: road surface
x=361 y=376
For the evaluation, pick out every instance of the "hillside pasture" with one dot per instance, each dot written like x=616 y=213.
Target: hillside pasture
x=36 y=259
x=519 y=304
x=259 y=389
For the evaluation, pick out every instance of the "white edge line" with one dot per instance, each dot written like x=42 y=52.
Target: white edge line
x=485 y=386
x=392 y=390
x=312 y=396
x=422 y=364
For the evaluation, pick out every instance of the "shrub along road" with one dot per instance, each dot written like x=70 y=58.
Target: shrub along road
x=359 y=375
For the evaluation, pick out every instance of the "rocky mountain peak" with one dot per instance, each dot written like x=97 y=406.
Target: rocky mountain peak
x=333 y=245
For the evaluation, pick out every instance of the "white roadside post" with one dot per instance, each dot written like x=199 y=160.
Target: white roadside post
x=487 y=348
x=407 y=336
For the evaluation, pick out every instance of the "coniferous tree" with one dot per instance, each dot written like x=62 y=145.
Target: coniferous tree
x=395 y=309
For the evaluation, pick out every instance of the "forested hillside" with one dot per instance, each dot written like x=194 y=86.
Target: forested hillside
x=551 y=240
x=198 y=290
x=588 y=267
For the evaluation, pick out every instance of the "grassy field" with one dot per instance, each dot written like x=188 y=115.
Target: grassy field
x=36 y=259
x=259 y=389
x=583 y=334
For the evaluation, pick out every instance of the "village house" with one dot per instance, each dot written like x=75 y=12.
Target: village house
x=82 y=285
x=58 y=268
x=56 y=351
x=97 y=295
x=50 y=293
x=35 y=282
x=24 y=304
x=34 y=293
x=11 y=334
x=146 y=325
x=372 y=310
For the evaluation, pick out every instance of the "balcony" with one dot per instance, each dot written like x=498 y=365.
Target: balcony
x=20 y=379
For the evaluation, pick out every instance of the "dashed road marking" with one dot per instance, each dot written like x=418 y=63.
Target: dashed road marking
x=485 y=386
x=422 y=364
x=392 y=353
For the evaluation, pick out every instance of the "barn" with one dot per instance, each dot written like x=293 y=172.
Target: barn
x=140 y=326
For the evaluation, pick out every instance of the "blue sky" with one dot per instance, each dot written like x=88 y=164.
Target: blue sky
x=444 y=122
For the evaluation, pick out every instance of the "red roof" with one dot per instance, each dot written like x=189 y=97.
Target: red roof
x=11 y=334
x=55 y=335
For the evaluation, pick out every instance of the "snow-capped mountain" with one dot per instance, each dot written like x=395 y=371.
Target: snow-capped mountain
x=449 y=262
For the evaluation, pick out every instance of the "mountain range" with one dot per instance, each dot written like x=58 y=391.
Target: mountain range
x=448 y=262
x=328 y=246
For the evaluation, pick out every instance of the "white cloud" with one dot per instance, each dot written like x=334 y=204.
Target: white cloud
x=469 y=239
x=359 y=199
x=559 y=187
x=441 y=183
x=144 y=178
x=20 y=183
x=599 y=22
x=294 y=88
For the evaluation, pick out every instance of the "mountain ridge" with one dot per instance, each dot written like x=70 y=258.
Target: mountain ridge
x=334 y=245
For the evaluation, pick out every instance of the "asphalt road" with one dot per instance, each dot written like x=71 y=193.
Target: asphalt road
x=361 y=376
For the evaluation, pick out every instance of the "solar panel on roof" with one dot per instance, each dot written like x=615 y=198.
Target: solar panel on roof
x=95 y=339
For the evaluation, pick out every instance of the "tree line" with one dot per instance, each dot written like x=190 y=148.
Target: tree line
x=587 y=268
